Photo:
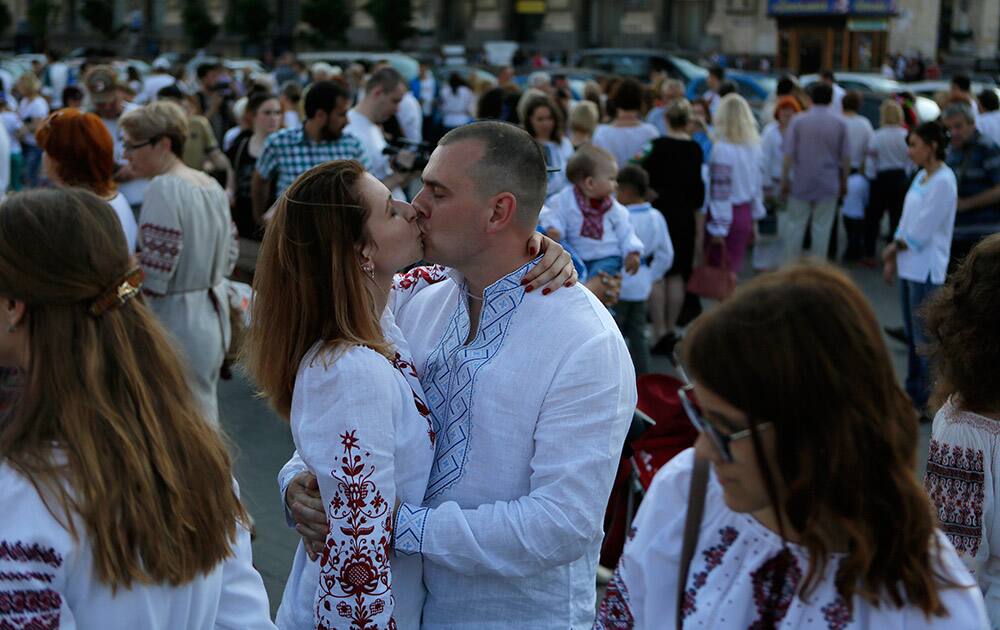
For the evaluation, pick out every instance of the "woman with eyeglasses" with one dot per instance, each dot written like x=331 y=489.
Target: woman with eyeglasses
x=811 y=515
x=187 y=243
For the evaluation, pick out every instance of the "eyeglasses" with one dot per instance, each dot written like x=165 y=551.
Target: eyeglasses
x=138 y=145
x=720 y=440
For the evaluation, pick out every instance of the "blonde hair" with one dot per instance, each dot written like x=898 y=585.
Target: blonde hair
x=583 y=117
x=890 y=113
x=161 y=119
x=106 y=427
x=28 y=82
x=734 y=122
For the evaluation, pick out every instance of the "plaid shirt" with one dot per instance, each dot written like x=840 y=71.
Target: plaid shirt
x=977 y=169
x=291 y=153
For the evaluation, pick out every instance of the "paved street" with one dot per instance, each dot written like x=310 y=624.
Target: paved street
x=262 y=443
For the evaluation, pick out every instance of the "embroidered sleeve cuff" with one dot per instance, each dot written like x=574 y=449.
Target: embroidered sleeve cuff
x=410 y=523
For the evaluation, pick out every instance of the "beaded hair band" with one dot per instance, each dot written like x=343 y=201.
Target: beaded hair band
x=122 y=291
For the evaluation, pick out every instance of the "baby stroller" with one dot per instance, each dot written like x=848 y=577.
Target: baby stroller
x=660 y=429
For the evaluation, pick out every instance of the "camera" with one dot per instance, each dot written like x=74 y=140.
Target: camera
x=422 y=151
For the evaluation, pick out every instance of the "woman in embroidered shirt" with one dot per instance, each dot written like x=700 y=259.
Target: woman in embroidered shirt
x=812 y=518
x=544 y=121
x=119 y=506
x=962 y=466
x=187 y=244
x=735 y=187
x=921 y=247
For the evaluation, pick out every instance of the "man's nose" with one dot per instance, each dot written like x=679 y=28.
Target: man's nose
x=421 y=206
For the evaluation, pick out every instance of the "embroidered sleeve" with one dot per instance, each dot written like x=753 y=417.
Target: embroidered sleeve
x=161 y=239
x=406 y=285
x=28 y=594
x=344 y=432
x=955 y=480
x=292 y=467
x=561 y=516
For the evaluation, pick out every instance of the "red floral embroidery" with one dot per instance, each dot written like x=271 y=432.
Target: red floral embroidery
x=405 y=367
x=713 y=558
x=955 y=482
x=431 y=275
x=160 y=247
x=29 y=610
x=774 y=586
x=837 y=615
x=614 y=613
x=355 y=579
x=19 y=552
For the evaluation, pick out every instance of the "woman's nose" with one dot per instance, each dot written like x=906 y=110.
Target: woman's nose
x=706 y=450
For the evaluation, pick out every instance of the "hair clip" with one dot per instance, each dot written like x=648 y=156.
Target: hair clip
x=123 y=291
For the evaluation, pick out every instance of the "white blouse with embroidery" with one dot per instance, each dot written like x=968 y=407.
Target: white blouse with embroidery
x=740 y=577
x=48 y=579
x=360 y=424
x=735 y=178
x=962 y=480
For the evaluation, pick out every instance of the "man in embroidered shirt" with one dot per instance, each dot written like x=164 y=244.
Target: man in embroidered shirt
x=384 y=91
x=320 y=139
x=530 y=399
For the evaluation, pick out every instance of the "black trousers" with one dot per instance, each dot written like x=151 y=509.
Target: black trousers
x=887 y=194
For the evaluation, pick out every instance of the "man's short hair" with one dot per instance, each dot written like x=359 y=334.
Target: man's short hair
x=512 y=162
x=636 y=178
x=852 y=101
x=959 y=109
x=989 y=101
x=828 y=75
x=387 y=78
x=323 y=96
x=585 y=162
x=627 y=95
x=728 y=87
x=170 y=91
x=718 y=72
x=962 y=82
x=821 y=93
x=205 y=68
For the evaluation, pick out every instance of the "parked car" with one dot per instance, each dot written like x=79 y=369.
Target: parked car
x=930 y=88
x=755 y=88
x=860 y=81
x=577 y=78
x=639 y=63
x=405 y=64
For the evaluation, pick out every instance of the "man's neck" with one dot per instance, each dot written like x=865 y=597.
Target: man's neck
x=313 y=129
x=365 y=109
x=495 y=263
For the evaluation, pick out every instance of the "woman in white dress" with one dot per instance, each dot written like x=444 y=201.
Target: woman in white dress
x=812 y=516
x=32 y=110
x=627 y=134
x=119 y=507
x=963 y=462
x=187 y=244
x=79 y=151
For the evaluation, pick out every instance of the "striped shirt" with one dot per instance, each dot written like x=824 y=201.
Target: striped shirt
x=291 y=153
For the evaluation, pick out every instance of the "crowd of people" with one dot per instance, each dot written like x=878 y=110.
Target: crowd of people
x=456 y=290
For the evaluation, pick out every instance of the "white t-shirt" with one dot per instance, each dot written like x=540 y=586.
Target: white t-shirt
x=926 y=225
x=989 y=125
x=153 y=84
x=624 y=142
x=13 y=125
x=859 y=136
x=34 y=109
x=658 y=251
x=411 y=118
x=887 y=151
x=372 y=138
x=124 y=211
x=291 y=120
x=456 y=106
x=736 y=561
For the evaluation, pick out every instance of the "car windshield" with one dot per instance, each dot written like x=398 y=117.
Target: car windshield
x=688 y=68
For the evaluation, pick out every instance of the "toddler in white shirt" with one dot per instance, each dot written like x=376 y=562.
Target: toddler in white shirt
x=589 y=218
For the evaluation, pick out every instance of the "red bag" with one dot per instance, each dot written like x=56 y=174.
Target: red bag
x=708 y=281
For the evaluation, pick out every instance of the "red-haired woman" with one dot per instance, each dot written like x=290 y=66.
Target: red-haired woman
x=79 y=151
x=812 y=517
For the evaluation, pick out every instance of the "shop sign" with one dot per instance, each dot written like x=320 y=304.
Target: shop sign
x=535 y=7
x=831 y=7
x=868 y=25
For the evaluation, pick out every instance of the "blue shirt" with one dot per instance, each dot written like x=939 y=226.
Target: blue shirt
x=291 y=153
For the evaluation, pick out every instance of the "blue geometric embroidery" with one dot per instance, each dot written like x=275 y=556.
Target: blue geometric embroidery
x=410 y=529
x=449 y=376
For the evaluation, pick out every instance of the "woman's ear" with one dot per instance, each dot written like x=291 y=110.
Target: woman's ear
x=14 y=313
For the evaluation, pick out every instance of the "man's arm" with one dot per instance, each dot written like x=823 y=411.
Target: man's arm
x=984 y=199
x=259 y=193
x=561 y=517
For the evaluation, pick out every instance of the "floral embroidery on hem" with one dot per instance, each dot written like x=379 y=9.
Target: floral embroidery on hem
x=955 y=481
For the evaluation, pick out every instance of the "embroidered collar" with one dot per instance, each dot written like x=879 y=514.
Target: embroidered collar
x=506 y=283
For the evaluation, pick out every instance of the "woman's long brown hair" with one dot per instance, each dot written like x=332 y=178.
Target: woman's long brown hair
x=309 y=286
x=801 y=349
x=106 y=426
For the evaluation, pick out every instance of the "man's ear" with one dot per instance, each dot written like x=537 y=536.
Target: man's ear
x=503 y=210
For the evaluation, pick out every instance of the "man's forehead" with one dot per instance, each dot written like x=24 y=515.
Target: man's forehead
x=449 y=164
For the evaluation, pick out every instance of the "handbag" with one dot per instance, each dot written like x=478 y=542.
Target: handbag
x=713 y=282
x=692 y=525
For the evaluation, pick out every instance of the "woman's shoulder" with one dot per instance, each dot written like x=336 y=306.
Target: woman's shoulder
x=347 y=361
x=35 y=529
x=953 y=425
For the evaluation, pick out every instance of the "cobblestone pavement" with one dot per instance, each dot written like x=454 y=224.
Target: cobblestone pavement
x=261 y=443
